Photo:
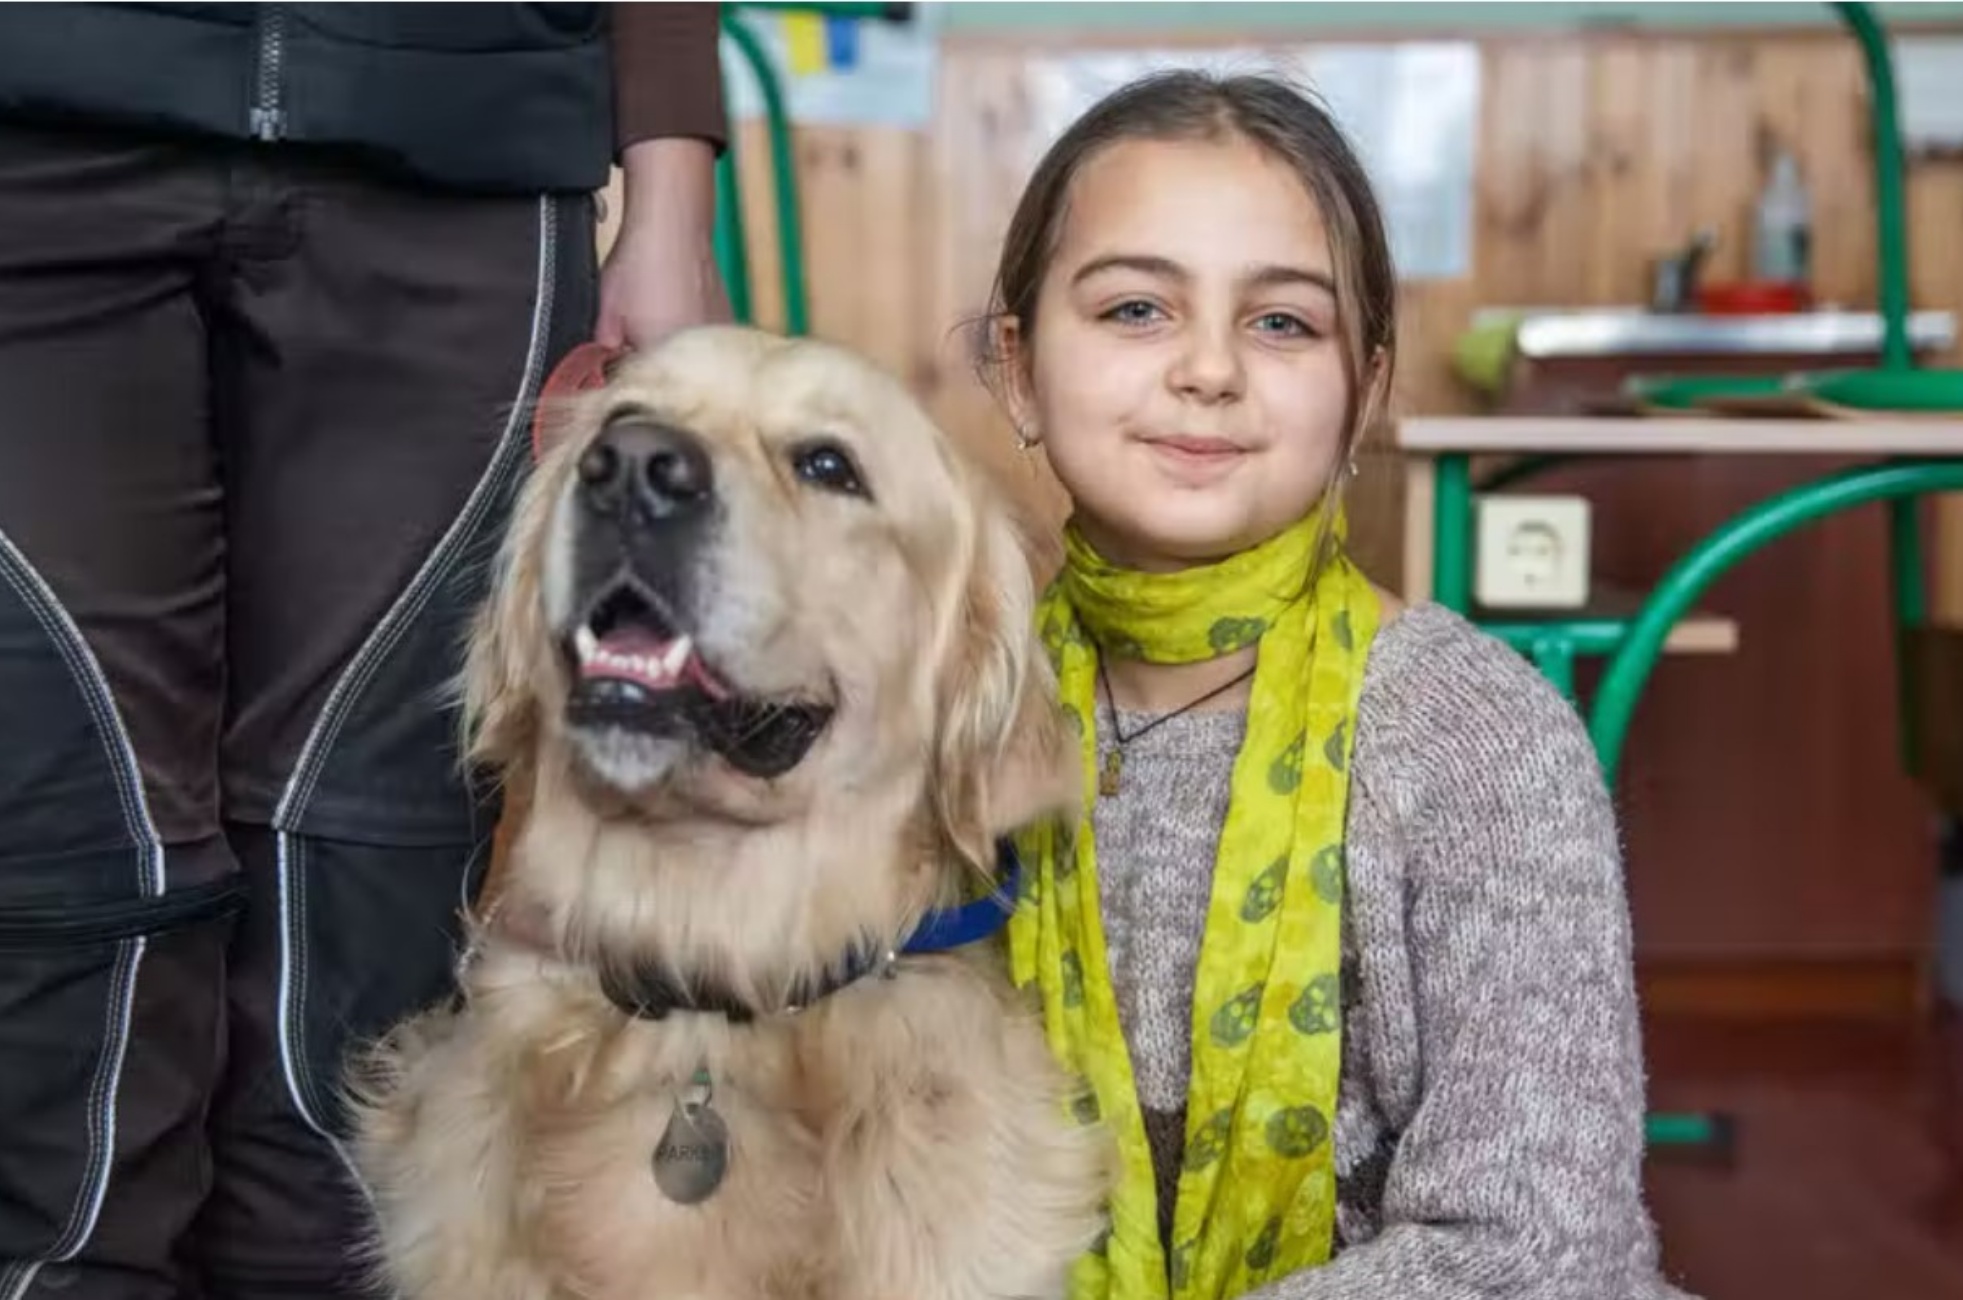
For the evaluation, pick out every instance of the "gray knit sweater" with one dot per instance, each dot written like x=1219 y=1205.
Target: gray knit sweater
x=1489 y=1134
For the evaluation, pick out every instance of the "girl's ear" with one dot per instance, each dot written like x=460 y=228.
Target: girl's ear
x=1373 y=395
x=1007 y=373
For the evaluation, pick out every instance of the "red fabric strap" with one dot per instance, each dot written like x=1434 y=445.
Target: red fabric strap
x=583 y=368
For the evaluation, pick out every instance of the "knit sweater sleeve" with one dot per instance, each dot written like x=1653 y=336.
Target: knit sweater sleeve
x=1498 y=1000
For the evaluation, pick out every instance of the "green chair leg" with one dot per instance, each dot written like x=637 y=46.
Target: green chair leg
x=783 y=167
x=732 y=257
x=1714 y=1132
x=1451 y=542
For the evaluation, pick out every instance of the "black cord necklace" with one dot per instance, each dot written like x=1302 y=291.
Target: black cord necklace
x=1114 y=763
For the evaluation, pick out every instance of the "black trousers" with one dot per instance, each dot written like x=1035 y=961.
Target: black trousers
x=261 y=420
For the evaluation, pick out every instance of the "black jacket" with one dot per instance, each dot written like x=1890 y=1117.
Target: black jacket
x=505 y=97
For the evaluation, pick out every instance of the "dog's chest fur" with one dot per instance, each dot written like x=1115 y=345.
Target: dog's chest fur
x=907 y=1137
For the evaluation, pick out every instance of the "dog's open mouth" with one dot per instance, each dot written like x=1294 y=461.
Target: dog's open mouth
x=635 y=670
x=627 y=647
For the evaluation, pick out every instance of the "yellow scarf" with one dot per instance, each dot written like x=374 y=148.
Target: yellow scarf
x=1257 y=1194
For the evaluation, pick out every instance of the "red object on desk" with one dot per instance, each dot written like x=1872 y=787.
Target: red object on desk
x=1754 y=298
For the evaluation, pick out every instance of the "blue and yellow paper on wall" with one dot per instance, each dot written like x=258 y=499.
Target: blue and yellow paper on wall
x=817 y=43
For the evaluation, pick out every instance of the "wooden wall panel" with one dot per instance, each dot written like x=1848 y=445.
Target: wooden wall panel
x=1758 y=823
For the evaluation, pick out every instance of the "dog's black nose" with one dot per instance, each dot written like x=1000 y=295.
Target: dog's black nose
x=661 y=469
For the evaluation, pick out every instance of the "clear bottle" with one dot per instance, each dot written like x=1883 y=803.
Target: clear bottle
x=1783 y=242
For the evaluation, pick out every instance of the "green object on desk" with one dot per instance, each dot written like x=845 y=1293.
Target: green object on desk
x=1483 y=354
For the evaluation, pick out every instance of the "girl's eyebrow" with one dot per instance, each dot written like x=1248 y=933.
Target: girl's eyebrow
x=1266 y=276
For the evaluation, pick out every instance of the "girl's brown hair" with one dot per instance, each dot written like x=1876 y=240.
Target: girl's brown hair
x=1186 y=104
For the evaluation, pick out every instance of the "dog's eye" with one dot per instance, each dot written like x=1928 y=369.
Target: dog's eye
x=829 y=466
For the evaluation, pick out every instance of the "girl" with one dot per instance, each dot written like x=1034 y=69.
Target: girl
x=1340 y=944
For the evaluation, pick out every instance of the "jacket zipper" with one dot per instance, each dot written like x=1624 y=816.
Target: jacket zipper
x=32 y=929
x=268 y=118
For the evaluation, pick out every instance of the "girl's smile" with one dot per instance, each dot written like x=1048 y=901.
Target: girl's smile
x=1197 y=461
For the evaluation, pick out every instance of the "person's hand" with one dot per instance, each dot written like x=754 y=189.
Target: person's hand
x=661 y=274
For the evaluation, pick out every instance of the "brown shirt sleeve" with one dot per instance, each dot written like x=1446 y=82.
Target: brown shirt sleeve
x=667 y=72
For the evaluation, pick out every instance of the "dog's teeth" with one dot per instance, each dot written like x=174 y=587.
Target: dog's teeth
x=586 y=644
x=677 y=655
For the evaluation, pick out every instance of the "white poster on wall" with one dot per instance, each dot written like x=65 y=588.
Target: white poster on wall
x=1411 y=110
x=1929 y=93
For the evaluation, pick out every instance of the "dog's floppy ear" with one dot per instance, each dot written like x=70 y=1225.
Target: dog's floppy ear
x=501 y=673
x=1004 y=756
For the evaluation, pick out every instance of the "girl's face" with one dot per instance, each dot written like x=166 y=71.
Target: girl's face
x=1186 y=373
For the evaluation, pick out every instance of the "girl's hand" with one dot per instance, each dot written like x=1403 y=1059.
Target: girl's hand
x=661 y=274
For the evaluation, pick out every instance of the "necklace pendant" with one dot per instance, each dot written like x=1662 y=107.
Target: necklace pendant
x=1107 y=780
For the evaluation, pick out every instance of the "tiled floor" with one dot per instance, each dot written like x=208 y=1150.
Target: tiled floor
x=1846 y=1182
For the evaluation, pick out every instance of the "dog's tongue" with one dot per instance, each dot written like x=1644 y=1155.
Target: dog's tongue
x=640 y=656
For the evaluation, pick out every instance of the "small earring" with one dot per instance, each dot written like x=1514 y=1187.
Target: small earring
x=1023 y=441
x=1353 y=469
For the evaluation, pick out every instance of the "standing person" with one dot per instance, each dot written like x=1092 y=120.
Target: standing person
x=278 y=287
x=1340 y=943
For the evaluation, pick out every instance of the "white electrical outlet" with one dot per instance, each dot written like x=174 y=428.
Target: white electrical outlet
x=1531 y=552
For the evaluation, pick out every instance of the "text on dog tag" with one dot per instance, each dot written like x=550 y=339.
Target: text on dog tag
x=692 y=1156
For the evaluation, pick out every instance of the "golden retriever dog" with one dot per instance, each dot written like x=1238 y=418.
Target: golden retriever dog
x=759 y=662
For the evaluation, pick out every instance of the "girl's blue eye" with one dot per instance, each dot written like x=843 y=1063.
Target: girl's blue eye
x=1280 y=322
x=1135 y=312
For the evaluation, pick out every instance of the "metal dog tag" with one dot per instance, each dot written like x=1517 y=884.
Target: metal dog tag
x=692 y=1156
